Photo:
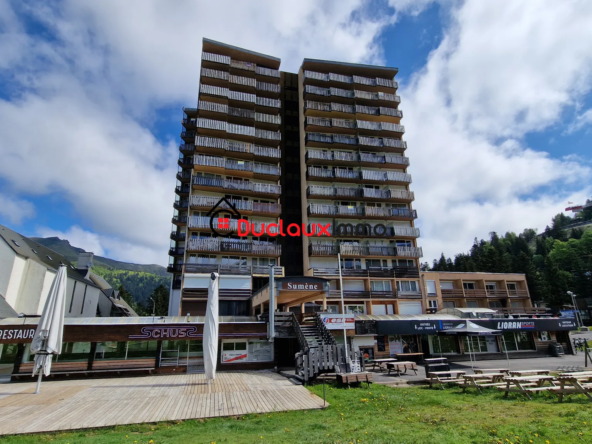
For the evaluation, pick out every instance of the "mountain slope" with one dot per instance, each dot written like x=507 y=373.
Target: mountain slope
x=139 y=280
x=63 y=247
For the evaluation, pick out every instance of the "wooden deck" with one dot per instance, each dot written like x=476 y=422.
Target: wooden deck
x=66 y=405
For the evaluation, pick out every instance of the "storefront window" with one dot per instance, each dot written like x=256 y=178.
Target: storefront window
x=183 y=352
x=73 y=351
x=543 y=336
x=443 y=344
x=7 y=357
x=475 y=344
x=354 y=309
x=126 y=350
x=402 y=344
x=518 y=341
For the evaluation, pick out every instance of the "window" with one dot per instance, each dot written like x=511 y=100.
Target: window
x=472 y=304
x=355 y=309
x=402 y=344
x=125 y=350
x=378 y=263
x=518 y=341
x=407 y=286
x=403 y=243
x=543 y=336
x=443 y=344
x=264 y=261
x=230 y=346
x=332 y=309
x=490 y=286
x=432 y=303
x=512 y=286
x=446 y=285
x=381 y=285
x=234 y=260
x=475 y=344
x=49 y=257
x=431 y=287
x=449 y=304
x=15 y=243
x=7 y=358
x=405 y=263
x=469 y=285
x=495 y=304
x=516 y=304
x=351 y=264
x=204 y=259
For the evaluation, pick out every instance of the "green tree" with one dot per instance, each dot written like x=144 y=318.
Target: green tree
x=159 y=302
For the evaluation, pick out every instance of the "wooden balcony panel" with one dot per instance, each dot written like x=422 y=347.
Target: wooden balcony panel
x=454 y=293
x=497 y=293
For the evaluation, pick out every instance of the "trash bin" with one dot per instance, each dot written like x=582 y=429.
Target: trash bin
x=556 y=349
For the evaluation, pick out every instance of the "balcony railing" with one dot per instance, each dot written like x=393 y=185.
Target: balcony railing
x=234 y=246
x=374 y=158
x=352 y=140
x=268 y=118
x=270 y=170
x=214 y=74
x=345 y=156
x=266 y=208
x=232 y=269
x=410 y=251
x=197 y=201
x=343 y=173
x=239 y=147
x=320 y=172
x=265 y=134
x=270 y=87
x=243 y=81
x=267 y=72
x=214 y=107
x=217 y=58
x=399 y=272
x=238 y=185
x=387 y=176
x=272 y=103
x=322 y=209
x=320 y=155
x=318 y=190
x=350 y=79
x=209 y=161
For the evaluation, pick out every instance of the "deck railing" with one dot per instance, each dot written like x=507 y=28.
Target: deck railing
x=218 y=58
x=239 y=147
x=239 y=185
x=319 y=172
x=267 y=72
x=233 y=246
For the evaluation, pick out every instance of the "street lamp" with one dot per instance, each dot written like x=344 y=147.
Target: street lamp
x=573 y=301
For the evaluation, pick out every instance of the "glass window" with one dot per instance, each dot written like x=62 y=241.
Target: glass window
x=402 y=344
x=495 y=304
x=443 y=344
x=381 y=285
x=518 y=341
x=351 y=263
x=73 y=351
x=490 y=286
x=475 y=344
x=431 y=287
x=433 y=304
x=469 y=285
x=516 y=304
x=332 y=309
x=512 y=286
x=446 y=285
x=543 y=336
x=7 y=358
x=407 y=286
x=355 y=309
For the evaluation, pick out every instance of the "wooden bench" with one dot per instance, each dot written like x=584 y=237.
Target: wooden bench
x=401 y=367
x=528 y=372
x=354 y=378
x=445 y=377
x=381 y=362
x=81 y=367
x=569 y=385
x=526 y=384
x=492 y=370
x=483 y=380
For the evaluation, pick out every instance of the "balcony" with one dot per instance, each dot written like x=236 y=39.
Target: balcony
x=518 y=294
x=180 y=221
x=217 y=245
x=369 y=158
x=374 y=113
x=255 y=270
x=379 y=272
x=252 y=168
x=188 y=136
x=236 y=186
x=178 y=251
x=340 y=78
x=350 y=294
x=184 y=176
x=211 y=126
x=367 y=230
x=214 y=145
x=243 y=206
x=178 y=236
x=175 y=268
x=394 y=177
x=323 y=210
x=352 y=250
x=322 y=250
x=188 y=123
x=409 y=252
x=187 y=148
x=382 y=144
x=185 y=162
x=182 y=190
x=365 y=194
x=182 y=204
x=206 y=223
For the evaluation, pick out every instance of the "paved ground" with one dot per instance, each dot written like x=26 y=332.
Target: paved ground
x=64 y=405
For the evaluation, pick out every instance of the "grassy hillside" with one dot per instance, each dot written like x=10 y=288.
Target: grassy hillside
x=63 y=247
x=139 y=280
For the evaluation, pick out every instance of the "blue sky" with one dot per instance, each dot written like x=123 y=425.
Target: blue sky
x=496 y=108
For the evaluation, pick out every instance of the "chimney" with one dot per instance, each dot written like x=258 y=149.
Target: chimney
x=85 y=263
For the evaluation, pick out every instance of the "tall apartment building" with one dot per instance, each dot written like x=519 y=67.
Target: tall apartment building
x=321 y=147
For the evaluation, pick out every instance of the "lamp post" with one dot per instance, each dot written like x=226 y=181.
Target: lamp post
x=576 y=311
x=342 y=309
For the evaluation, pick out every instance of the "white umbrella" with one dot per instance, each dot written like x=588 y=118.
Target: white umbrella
x=50 y=330
x=210 y=336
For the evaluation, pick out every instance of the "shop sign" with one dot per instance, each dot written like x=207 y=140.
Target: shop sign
x=302 y=286
x=229 y=356
x=514 y=325
x=339 y=321
x=17 y=335
x=167 y=333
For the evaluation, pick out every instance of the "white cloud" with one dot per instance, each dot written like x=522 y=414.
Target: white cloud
x=580 y=121
x=498 y=73
x=16 y=210
x=83 y=105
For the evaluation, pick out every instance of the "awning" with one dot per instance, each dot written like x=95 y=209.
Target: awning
x=469 y=328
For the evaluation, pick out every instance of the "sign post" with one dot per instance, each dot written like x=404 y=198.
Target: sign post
x=342 y=309
x=271 y=302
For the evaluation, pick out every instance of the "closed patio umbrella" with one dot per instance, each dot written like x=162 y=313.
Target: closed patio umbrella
x=50 y=330
x=210 y=336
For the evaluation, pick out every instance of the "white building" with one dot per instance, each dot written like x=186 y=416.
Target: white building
x=27 y=270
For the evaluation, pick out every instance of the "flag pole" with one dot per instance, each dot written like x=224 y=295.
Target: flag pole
x=342 y=308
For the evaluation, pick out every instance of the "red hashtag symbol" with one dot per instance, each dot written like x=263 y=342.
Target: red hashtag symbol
x=223 y=223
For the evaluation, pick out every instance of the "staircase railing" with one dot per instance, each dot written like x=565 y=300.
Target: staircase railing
x=324 y=332
x=324 y=359
x=299 y=334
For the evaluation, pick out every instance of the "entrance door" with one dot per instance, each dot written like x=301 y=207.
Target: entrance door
x=491 y=344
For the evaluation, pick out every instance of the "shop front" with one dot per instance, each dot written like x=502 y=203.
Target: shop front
x=140 y=345
x=392 y=335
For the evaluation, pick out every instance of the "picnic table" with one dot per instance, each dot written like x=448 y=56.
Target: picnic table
x=527 y=384
x=580 y=384
x=380 y=363
x=492 y=370
x=528 y=372
x=408 y=356
x=401 y=367
x=445 y=377
x=483 y=380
